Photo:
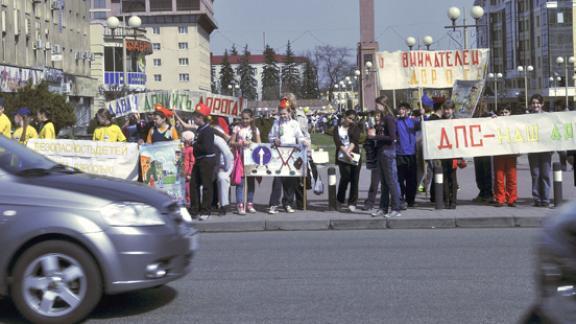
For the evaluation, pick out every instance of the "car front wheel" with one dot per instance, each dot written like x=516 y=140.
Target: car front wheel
x=56 y=282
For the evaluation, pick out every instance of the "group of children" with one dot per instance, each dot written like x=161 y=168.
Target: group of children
x=26 y=126
x=213 y=151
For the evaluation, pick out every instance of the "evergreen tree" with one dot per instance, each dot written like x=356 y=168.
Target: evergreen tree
x=39 y=97
x=233 y=50
x=270 y=76
x=226 y=75
x=247 y=74
x=309 y=88
x=290 y=73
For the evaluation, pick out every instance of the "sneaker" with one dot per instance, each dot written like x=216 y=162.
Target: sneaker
x=241 y=210
x=498 y=204
x=222 y=211
x=289 y=209
x=204 y=217
x=379 y=213
x=352 y=208
x=250 y=208
x=394 y=213
x=512 y=204
x=536 y=204
x=273 y=210
x=367 y=207
x=421 y=188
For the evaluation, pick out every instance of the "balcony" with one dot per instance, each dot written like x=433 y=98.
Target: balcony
x=136 y=80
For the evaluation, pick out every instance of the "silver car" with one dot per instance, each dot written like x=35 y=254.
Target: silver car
x=67 y=238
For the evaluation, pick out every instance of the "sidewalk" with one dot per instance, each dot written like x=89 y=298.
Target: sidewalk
x=467 y=215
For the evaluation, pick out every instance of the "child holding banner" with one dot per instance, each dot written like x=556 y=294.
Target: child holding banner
x=505 y=182
x=106 y=130
x=162 y=130
x=285 y=131
x=243 y=135
x=540 y=164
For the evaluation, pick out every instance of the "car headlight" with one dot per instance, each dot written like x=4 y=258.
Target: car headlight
x=131 y=214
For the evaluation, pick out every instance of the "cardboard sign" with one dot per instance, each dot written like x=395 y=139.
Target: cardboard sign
x=267 y=160
x=162 y=168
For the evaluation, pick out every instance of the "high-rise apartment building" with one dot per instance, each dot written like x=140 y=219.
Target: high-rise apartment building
x=529 y=32
x=179 y=31
x=48 y=40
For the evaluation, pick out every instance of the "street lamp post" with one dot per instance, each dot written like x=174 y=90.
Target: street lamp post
x=525 y=70
x=569 y=60
x=428 y=41
x=113 y=23
x=496 y=77
x=410 y=42
x=454 y=13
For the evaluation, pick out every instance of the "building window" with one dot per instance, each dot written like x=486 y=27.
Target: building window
x=156 y=30
x=157 y=62
x=185 y=5
x=134 y=5
x=184 y=77
x=183 y=45
x=161 y=5
x=183 y=61
x=182 y=29
x=156 y=46
x=158 y=77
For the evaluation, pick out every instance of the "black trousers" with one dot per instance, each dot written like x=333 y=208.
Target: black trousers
x=407 y=176
x=284 y=187
x=349 y=174
x=450 y=183
x=483 y=171
x=202 y=177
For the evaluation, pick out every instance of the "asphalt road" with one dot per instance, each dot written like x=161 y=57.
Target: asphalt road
x=401 y=276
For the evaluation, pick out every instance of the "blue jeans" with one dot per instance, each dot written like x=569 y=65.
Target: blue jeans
x=541 y=171
x=240 y=191
x=389 y=180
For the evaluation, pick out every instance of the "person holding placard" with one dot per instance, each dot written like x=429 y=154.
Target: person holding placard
x=540 y=164
x=347 y=141
x=106 y=130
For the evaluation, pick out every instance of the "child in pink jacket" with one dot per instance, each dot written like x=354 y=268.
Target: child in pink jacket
x=189 y=160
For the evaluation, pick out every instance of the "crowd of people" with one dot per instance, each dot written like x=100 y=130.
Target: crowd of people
x=393 y=149
x=390 y=139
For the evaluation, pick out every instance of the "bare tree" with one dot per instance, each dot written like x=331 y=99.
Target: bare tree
x=333 y=63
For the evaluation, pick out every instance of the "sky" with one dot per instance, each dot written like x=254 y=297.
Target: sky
x=309 y=23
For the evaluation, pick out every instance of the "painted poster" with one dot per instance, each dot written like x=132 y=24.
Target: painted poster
x=430 y=69
x=117 y=160
x=466 y=95
x=471 y=137
x=180 y=100
x=267 y=160
x=162 y=168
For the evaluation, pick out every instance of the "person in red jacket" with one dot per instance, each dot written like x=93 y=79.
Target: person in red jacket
x=189 y=160
x=505 y=182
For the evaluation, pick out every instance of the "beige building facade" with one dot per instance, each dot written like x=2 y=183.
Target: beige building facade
x=47 y=40
x=179 y=31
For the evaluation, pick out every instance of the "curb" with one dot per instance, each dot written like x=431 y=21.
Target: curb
x=371 y=224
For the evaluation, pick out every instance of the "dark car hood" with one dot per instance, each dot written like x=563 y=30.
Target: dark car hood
x=101 y=187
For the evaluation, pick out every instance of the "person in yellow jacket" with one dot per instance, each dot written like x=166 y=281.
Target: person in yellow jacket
x=45 y=125
x=25 y=131
x=106 y=130
x=5 y=123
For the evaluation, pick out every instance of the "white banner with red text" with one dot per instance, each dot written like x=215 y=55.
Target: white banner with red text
x=430 y=69
x=471 y=137
x=117 y=160
x=181 y=100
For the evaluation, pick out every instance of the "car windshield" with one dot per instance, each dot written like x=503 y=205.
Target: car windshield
x=16 y=159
